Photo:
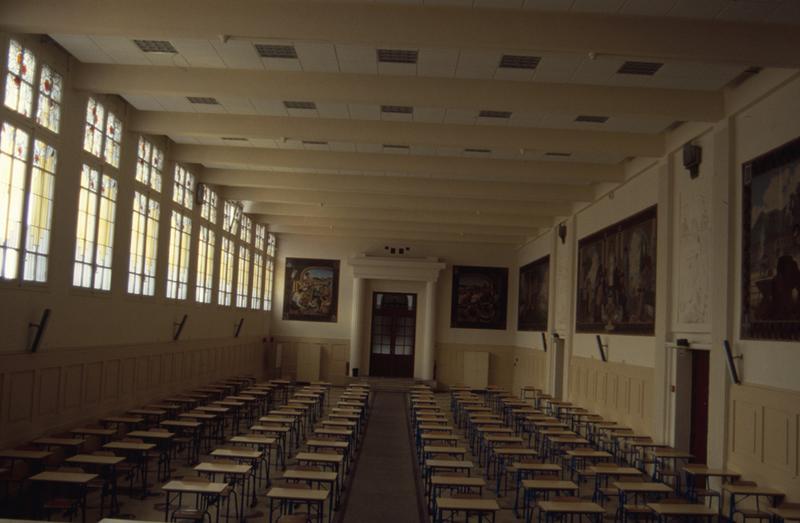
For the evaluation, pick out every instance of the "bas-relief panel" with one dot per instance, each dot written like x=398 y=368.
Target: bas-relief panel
x=693 y=260
x=563 y=282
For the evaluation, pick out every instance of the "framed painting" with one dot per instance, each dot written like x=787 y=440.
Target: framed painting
x=534 y=282
x=617 y=277
x=771 y=245
x=480 y=297
x=311 y=290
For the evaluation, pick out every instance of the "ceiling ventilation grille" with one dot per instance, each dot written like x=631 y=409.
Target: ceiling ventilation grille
x=155 y=46
x=477 y=150
x=495 y=114
x=276 y=51
x=515 y=61
x=314 y=142
x=587 y=118
x=234 y=139
x=397 y=56
x=291 y=104
x=640 y=68
x=396 y=146
x=558 y=155
x=202 y=100
x=397 y=109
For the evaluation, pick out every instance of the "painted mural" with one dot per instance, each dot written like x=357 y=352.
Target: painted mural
x=616 y=291
x=480 y=297
x=311 y=290
x=533 y=300
x=771 y=245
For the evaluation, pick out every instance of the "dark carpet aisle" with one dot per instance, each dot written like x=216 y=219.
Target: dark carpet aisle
x=383 y=488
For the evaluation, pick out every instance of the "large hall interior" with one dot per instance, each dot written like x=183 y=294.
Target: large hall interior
x=400 y=260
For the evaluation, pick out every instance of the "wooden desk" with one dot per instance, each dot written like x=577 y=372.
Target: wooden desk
x=791 y=513
x=137 y=452
x=103 y=434
x=70 y=478
x=529 y=470
x=106 y=466
x=530 y=488
x=696 y=473
x=71 y=443
x=198 y=489
x=478 y=507
x=312 y=497
x=561 y=508
x=746 y=491
x=626 y=489
x=312 y=477
x=682 y=511
x=238 y=473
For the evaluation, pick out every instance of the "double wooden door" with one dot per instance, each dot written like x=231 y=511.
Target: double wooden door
x=393 y=334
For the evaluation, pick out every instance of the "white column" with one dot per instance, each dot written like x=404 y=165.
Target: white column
x=429 y=331
x=357 y=325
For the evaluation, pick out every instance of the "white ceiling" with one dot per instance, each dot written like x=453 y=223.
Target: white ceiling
x=465 y=60
x=358 y=59
x=233 y=105
x=770 y=11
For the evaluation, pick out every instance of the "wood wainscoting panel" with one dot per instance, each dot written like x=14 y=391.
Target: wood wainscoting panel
x=764 y=439
x=127 y=377
x=21 y=392
x=111 y=380
x=73 y=382
x=49 y=387
x=63 y=388
x=616 y=391
x=93 y=383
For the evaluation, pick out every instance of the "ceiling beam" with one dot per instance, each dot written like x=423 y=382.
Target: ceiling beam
x=459 y=218
x=453 y=167
x=400 y=185
x=387 y=225
x=415 y=91
x=398 y=235
x=387 y=201
x=409 y=133
x=414 y=26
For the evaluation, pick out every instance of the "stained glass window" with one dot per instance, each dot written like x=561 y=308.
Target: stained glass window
x=19 y=81
x=144 y=245
x=40 y=212
x=258 y=281
x=225 y=272
x=150 y=162
x=183 y=188
x=178 y=260
x=205 y=265
x=48 y=109
x=231 y=216
x=243 y=280
x=208 y=211
x=13 y=166
x=113 y=140
x=94 y=247
x=95 y=119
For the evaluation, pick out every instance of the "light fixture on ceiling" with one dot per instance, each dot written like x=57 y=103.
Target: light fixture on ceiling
x=156 y=46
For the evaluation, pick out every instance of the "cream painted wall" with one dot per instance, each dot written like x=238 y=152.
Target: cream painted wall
x=89 y=331
x=637 y=195
x=769 y=123
x=455 y=339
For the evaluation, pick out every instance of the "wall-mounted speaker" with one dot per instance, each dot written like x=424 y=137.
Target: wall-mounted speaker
x=692 y=157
